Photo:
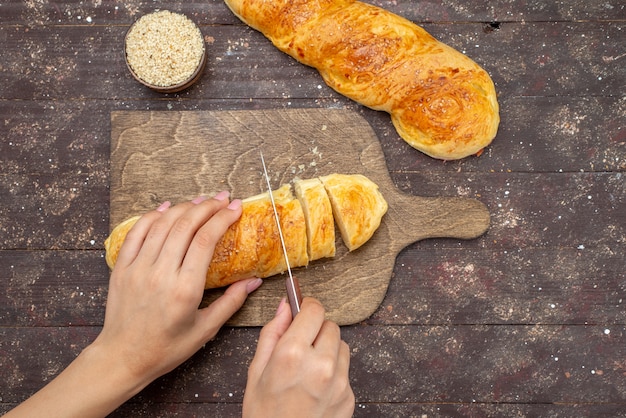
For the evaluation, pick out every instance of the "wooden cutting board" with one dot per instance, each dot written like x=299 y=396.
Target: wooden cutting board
x=176 y=156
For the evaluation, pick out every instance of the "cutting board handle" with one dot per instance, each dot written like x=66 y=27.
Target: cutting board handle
x=418 y=218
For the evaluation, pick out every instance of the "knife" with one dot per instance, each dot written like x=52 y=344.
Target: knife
x=293 y=287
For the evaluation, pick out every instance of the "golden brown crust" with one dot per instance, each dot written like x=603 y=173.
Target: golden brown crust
x=318 y=214
x=358 y=207
x=441 y=102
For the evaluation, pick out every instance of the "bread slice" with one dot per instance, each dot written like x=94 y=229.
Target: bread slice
x=318 y=214
x=358 y=207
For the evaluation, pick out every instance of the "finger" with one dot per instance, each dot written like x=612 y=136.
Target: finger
x=329 y=338
x=343 y=360
x=186 y=225
x=213 y=317
x=308 y=322
x=345 y=393
x=159 y=231
x=269 y=337
x=136 y=236
x=199 y=252
x=346 y=403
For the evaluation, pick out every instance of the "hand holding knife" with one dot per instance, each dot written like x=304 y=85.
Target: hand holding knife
x=293 y=287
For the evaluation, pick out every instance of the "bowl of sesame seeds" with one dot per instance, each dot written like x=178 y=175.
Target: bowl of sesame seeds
x=165 y=51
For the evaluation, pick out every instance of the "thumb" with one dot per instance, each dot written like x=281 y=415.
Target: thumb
x=217 y=313
x=269 y=337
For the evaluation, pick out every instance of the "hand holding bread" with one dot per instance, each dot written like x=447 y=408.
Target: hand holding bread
x=441 y=102
x=251 y=246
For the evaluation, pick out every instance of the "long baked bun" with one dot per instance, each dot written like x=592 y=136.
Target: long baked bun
x=441 y=102
x=251 y=246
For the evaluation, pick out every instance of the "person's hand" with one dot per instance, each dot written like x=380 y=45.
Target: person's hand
x=300 y=368
x=152 y=319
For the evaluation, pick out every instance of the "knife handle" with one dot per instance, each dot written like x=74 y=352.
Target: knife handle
x=293 y=295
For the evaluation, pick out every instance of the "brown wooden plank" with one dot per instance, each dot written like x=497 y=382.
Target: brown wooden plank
x=365 y=410
x=431 y=284
x=15 y=12
x=487 y=410
x=368 y=410
x=439 y=364
x=566 y=135
x=53 y=211
x=75 y=12
x=524 y=59
x=551 y=59
x=536 y=364
x=52 y=288
x=517 y=286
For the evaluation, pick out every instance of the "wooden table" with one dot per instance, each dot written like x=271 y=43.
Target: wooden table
x=527 y=320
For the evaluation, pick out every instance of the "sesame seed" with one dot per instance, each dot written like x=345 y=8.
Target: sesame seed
x=164 y=48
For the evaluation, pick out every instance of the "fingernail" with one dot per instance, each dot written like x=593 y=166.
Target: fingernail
x=198 y=200
x=222 y=195
x=253 y=285
x=164 y=206
x=281 y=306
x=235 y=204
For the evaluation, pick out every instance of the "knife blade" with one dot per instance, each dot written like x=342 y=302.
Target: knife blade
x=291 y=283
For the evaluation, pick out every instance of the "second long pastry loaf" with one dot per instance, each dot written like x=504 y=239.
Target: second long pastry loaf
x=441 y=102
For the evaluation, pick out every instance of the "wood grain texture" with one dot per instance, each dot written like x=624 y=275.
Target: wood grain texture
x=158 y=156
